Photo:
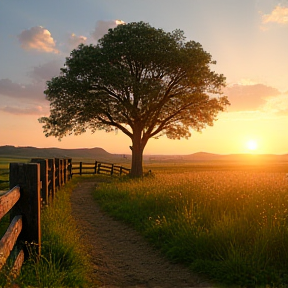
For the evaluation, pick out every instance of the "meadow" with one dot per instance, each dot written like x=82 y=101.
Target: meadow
x=4 y=170
x=228 y=222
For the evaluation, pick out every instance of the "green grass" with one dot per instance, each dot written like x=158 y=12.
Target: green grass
x=4 y=170
x=63 y=262
x=4 y=180
x=229 y=223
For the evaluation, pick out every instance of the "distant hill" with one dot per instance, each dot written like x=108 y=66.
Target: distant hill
x=30 y=152
x=202 y=156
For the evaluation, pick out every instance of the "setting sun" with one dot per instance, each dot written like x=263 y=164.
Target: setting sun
x=252 y=145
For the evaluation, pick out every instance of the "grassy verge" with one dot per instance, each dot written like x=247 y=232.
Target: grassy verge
x=63 y=262
x=229 y=225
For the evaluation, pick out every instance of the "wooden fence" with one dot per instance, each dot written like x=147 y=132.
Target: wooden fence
x=32 y=186
x=81 y=168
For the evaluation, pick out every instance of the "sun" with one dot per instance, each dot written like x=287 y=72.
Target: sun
x=252 y=145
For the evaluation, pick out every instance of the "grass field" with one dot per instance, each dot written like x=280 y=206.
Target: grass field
x=227 y=221
x=4 y=170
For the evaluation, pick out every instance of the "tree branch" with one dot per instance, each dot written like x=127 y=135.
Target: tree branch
x=117 y=125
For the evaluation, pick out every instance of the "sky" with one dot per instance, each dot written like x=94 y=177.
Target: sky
x=248 y=39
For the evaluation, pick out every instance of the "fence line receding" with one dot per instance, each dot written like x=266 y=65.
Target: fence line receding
x=33 y=186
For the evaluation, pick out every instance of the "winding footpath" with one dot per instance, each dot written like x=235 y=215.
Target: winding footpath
x=119 y=255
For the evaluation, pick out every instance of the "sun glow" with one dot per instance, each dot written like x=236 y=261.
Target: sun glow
x=252 y=145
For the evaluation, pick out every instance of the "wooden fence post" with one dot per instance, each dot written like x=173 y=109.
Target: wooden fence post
x=95 y=168
x=80 y=168
x=43 y=178
x=112 y=168
x=69 y=169
x=27 y=176
x=62 y=171
x=120 y=170
x=64 y=168
x=57 y=173
x=51 y=179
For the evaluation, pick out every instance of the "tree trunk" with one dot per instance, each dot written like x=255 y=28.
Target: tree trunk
x=137 y=154
x=136 y=168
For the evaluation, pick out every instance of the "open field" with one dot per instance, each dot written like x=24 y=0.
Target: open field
x=227 y=221
x=4 y=170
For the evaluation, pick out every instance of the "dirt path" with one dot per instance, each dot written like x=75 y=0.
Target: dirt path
x=120 y=256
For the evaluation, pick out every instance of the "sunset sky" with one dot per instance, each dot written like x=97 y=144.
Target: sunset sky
x=248 y=39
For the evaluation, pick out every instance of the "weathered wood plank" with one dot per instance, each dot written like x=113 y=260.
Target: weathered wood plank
x=9 y=239
x=8 y=200
x=57 y=173
x=43 y=177
x=15 y=271
x=27 y=176
x=51 y=187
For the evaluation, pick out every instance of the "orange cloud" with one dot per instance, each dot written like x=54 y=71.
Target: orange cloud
x=102 y=27
x=33 y=92
x=119 y=22
x=75 y=41
x=278 y=15
x=278 y=104
x=35 y=110
x=37 y=38
x=249 y=97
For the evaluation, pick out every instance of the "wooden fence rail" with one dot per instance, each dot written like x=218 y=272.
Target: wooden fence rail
x=8 y=241
x=32 y=186
x=81 y=168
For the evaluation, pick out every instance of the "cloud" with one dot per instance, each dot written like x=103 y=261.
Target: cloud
x=102 y=27
x=74 y=40
x=32 y=92
x=37 y=38
x=45 y=72
x=278 y=105
x=278 y=15
x=249 y=97
x=36 y=110
x=28 y=99
x=21 y=99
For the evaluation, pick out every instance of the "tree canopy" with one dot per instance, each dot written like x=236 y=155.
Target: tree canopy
x=140 y=80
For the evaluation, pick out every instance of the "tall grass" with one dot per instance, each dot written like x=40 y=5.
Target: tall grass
x=229 y=225
x=63 y=262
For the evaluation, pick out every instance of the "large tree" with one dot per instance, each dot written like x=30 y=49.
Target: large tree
x=140 y=80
